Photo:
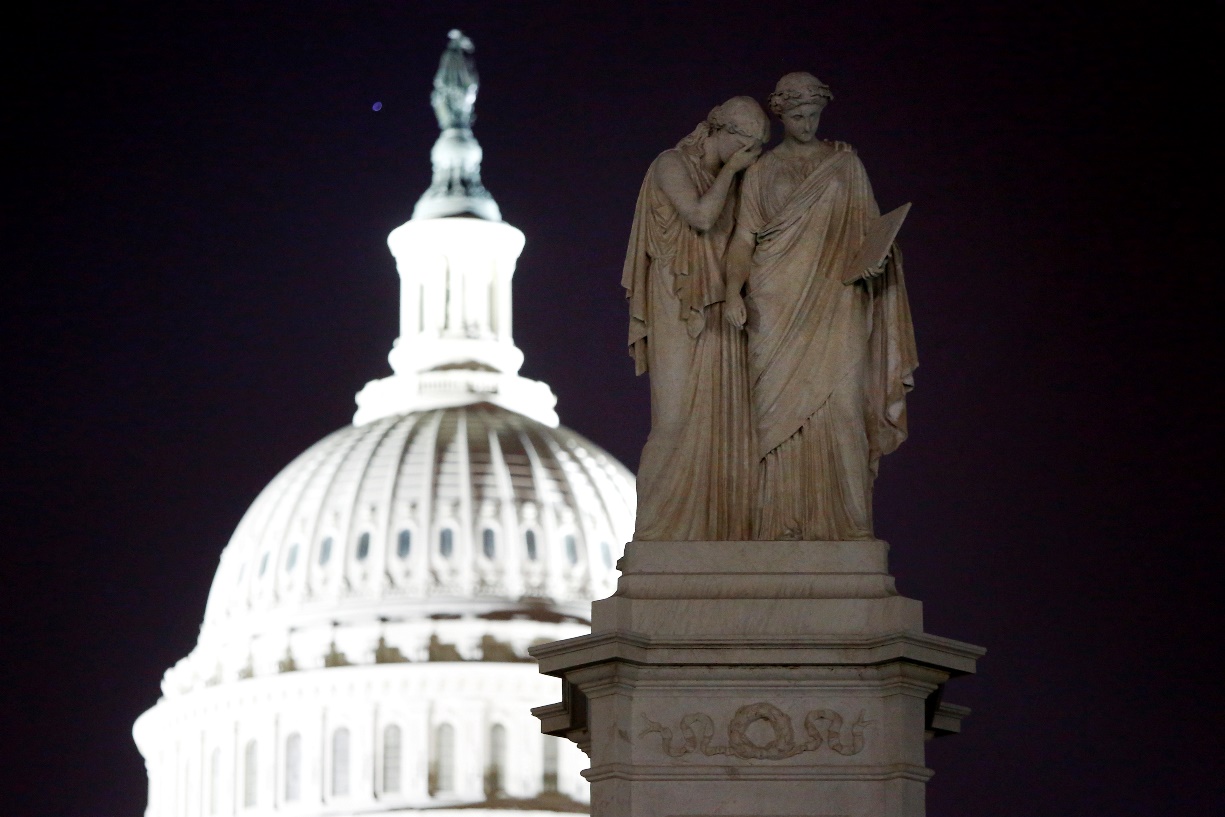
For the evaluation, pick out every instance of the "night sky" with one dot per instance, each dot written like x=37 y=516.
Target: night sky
x=197 y=283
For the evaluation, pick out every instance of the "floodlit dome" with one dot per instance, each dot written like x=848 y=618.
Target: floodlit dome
x=457 y=524
x=364 y=647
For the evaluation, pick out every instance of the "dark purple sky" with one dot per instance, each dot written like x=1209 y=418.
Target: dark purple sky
x=197 y=283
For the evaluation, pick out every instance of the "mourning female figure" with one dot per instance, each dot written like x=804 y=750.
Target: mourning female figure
x=829 y=363
x=697 y=469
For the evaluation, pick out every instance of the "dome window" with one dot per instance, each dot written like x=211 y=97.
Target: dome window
x=214 y=782
x=391 y=759
x=249 y=768
x=363 y=547
x=571 y=549
x=263 y=564
x=340 y=762
x=606 y=552
x=489 y=543
x=292 y=558
x=529 y=541
x=404 y=543
x=446 y=542
x=549 y=783
x=293 y=767
x=495 y=769
x=325 y=550
x=442 y=764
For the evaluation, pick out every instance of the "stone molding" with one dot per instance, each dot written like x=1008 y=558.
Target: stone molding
x=920 y=648
x=726 y=675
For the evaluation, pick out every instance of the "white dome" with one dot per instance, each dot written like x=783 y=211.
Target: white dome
x=410 y=526
x=390 y=579
x=364 y=648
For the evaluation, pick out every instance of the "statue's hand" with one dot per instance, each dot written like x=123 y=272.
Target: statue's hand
x=874 y=272
x=744 y=157
x=734 y=310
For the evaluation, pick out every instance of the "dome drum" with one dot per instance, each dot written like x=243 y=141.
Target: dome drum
x=355 y=740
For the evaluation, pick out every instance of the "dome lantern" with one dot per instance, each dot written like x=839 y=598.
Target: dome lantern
x=455 y=346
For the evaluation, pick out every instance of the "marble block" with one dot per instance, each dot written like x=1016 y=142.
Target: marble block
x=755 y=679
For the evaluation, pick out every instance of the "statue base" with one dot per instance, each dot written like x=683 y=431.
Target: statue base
x=755 y=679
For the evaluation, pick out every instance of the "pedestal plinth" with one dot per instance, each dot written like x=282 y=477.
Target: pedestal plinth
x=755 y=679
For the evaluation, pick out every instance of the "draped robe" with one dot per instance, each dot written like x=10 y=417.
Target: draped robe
x=696 y=475
x=829 y=363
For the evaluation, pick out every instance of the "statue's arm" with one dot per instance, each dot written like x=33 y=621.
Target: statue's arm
x=739 y=259
x=699 y=211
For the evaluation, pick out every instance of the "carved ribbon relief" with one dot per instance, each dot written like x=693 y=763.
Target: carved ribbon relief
x=697 y=730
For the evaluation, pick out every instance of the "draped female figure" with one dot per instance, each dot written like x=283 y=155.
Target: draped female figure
x=830 y=363
x=697 y=469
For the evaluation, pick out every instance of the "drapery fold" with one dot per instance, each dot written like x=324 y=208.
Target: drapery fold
x=829 y=363
x=697 y=472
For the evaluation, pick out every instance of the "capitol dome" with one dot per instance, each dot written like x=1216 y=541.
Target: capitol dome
x=461 y=524
x=364 y=646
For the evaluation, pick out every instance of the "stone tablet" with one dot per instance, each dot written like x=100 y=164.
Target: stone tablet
x=876 y=244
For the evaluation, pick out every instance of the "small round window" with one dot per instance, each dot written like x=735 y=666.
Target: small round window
x=489 y=543
x=606 y=552
x=363 y=547
x=529 y=541
x=292 y=558
x=325 y=550
x=571 y=550
x=404 y=544
x=263 y=564
x=446 y=542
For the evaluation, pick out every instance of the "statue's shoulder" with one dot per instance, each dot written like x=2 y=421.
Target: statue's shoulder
x=674 y=165
x=841 y=147
x=765 y=161
x=671 y=159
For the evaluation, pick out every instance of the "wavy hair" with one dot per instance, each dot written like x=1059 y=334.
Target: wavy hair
x=795 y=89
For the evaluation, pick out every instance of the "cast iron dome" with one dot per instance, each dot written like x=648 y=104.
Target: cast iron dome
x=470 y=512
x=364 y=646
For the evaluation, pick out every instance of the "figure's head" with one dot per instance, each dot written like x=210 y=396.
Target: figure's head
x=798 y=100
x=737 y=123
x=742 y=116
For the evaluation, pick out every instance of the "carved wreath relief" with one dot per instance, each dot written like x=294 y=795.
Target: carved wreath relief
x=820 y=726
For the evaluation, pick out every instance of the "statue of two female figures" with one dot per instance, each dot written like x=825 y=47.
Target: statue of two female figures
x=822 y=397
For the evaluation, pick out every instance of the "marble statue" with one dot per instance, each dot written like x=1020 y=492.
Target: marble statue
x=829 y=363
x=697 y=472
x=767 y=677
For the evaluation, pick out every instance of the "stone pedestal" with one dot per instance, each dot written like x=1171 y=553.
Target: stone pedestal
x=755 y=679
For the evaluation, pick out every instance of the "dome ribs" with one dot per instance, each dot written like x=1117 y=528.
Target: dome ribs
x=453 y=507
x=467 y=468
x=518 y=464
x=335 y=508
x=466 y=550
x=396 y=452
x=579 y=571
x=421 y=469
x=508 y=555
x=549 y=495
x=369 y=508
x=399 y=507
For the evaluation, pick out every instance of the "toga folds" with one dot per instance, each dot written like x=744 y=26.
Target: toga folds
x=829 y=363
x=697 y=472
